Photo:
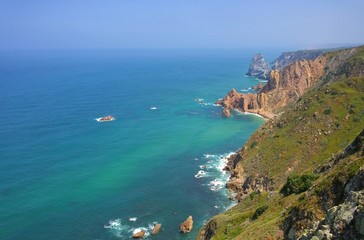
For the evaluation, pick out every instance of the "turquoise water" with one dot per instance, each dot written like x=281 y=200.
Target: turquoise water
x=63 y=175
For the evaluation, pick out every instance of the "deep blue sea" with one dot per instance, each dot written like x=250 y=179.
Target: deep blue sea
x=63 y=175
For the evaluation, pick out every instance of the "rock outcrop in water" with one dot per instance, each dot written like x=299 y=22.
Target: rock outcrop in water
x=156 y=228
x=186 y=226
x=258 y=67
x=139 y=234
x=283 y=87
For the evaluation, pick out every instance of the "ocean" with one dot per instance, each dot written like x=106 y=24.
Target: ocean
x=64 y=175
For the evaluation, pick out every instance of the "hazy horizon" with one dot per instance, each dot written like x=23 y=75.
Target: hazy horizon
x=162 y=24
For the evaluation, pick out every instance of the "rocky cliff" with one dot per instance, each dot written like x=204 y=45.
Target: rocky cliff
x=287 y=58
x=283 y=87
x=258 y=67
x=314 y=150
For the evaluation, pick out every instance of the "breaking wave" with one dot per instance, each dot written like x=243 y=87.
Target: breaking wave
x=124 y=231
x=213 y=171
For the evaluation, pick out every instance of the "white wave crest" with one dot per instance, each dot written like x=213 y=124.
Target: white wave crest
x=139 y=229
x=117 y=228
x=214 y=167
x=216 y=184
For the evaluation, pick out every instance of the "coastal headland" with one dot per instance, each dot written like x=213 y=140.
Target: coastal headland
x=300 y=175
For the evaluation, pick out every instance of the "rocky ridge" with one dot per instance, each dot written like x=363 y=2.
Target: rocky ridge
x=287 y=58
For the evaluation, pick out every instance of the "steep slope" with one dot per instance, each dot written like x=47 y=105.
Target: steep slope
x=319 y=135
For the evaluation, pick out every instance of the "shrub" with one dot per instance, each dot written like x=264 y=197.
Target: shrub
x=252 y=195
x=327 y=110
x=298 y=183
x=253 y=144
x=259 y=212
x=334 y=92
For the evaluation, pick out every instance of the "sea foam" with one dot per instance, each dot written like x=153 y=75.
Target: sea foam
x=213 y=170
x=121 y=230
x=139 y=229
x=117 y=228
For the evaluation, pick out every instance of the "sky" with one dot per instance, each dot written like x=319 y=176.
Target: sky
x=70 y=24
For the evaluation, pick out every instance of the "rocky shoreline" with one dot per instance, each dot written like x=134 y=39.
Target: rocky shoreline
x=308 y=103
x=291 y=75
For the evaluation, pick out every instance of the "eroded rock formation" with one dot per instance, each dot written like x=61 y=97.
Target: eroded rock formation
x=258 y=67
x=283 y=87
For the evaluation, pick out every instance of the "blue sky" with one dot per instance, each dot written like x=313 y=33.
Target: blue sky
x=180 y=24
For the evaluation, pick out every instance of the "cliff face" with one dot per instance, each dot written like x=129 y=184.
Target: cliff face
x=287 y=58
x=258 y=67
x=283 y=87
x=321 y=135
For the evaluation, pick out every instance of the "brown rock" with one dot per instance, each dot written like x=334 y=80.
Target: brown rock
x=258 y=87
x=283 y=87
x=139 y=234
x=186 y=226
x=157 y=227
x=226 y=112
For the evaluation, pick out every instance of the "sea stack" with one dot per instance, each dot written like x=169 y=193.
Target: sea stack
x=186 y=226
x=258 y=67
x=156 y=228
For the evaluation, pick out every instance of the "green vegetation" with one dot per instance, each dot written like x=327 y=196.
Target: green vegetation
x=305 y=138
x=259 y=212
x=253 y=144
x=298 y=184
x=328 y=110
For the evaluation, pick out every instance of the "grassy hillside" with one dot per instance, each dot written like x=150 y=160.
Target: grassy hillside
x=307 y=137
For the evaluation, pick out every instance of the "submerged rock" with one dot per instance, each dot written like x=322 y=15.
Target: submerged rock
x=186 y=226
x=156 y=228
